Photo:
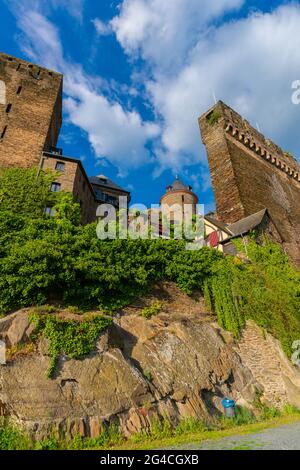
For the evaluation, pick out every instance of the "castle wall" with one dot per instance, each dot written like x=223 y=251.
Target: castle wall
x=250 y=173
x=74 y=180
x=31 y=117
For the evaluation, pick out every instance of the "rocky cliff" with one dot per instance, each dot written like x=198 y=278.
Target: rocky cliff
x=176 y=364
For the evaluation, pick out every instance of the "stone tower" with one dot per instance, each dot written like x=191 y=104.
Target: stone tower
x=176 y=199
x=250 y=173
x=30 y=111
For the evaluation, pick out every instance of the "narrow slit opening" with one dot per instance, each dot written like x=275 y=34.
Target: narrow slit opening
x=3 y=132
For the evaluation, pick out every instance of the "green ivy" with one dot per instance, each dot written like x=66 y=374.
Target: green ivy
x=265 y=290
x=213 y=117
x=152 y=310
x=76 y=339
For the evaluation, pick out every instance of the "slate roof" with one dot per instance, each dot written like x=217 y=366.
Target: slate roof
x=248 y=224
x=179 y=186
x=221 y=225
x=105 y=182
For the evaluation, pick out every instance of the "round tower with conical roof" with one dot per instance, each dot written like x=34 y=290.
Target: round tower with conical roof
x=178 y=198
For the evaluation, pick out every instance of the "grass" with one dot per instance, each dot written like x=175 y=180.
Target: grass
x=162 y=434
x=21 y=349
x=200 y=436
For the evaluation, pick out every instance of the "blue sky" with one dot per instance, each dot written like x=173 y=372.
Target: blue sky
x=138 y=73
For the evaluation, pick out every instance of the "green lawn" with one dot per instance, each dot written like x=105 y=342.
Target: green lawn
x=201 y=436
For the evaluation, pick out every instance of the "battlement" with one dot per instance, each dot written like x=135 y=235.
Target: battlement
x=240 y=129
x=265 y=150
x=28 y=69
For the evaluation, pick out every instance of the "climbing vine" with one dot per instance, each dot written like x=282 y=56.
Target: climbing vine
x=213 y=117
x=266 y=289
x=76 y=339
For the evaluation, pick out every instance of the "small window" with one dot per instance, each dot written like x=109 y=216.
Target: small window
x=19 y=90
x=8 y=108
x=55 y=187
x=37 y=75
x=18 y=68
x=60 y=166
x=49 y=211
x=3 y=132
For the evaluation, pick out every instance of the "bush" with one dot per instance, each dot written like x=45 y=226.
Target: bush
x=154 y=309
x=12 y=439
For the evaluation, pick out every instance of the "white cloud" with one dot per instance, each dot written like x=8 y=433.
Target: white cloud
x=250 y=63
x=163 y=32
x=41 y=39
x=74 y=8
x=103 y=29
x=114 y=132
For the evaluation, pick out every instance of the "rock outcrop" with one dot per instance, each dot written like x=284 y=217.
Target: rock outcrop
x=140 y=370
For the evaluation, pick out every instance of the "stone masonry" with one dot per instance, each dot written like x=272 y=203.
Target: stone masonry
x=250 y=173
x=30 y=119
x=72 y=178
x=264 y=357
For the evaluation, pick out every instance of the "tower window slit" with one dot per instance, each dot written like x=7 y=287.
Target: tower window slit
x=19 y=90
x=8 y=108
x=3 y=132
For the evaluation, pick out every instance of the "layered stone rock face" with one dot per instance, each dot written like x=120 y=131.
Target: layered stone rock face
x=141 y=370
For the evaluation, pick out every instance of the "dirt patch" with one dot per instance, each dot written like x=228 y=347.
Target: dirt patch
x=173 y=302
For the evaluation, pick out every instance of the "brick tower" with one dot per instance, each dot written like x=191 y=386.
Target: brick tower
x=176 y=199
x=250 y=173
x=30 y=111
